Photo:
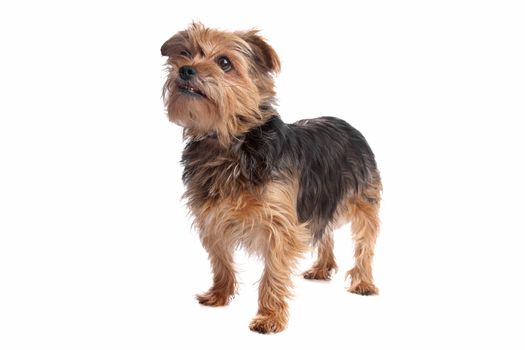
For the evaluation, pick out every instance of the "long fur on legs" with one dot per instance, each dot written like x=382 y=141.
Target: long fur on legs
x=256 y=182
x=325 y=264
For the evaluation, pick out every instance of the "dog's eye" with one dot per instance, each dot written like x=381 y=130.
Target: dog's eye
x=224 y=63
x=185 y=53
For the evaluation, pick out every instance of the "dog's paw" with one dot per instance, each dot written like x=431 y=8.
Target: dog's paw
x=267 y=324
x=363 y=288
x=213 y=299
x=316 y=273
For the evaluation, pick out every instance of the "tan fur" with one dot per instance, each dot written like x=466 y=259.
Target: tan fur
x=325 y=264
x=232 y=102
x=231 y=209
x=363 y=213
x=365 y=226
x=265 y=223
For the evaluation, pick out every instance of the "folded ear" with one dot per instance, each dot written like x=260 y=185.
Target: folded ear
x=265 y=55
x=169 y=48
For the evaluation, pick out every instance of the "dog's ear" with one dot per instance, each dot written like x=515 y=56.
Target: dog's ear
x=169 y=48
x=265 y=56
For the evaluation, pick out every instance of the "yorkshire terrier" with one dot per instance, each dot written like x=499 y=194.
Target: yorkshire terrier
x=251 y=180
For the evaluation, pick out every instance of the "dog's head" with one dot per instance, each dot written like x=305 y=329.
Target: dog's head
x=218 y=82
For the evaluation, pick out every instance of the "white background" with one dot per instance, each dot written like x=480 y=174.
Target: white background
x=96 y=250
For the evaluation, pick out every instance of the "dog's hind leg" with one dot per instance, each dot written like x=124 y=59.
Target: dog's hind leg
x=324 y=266
x=365 y=227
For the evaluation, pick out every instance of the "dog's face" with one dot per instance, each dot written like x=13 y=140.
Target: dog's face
x=217 y=81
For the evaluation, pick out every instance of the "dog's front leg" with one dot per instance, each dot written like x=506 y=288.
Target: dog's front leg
x=224 y=283
x=274 y=289
x=285 y=240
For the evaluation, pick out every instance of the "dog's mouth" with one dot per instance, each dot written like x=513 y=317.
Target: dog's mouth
x=187 y=89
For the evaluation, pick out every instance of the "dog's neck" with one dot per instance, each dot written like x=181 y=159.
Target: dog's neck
x=267 y=112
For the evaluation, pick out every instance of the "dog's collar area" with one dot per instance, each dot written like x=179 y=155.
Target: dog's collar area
x=211 y=135
x=239 y=139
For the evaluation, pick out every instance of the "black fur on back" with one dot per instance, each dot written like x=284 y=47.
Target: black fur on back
x=331 y=158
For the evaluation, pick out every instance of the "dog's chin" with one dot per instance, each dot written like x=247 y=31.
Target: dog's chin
x=192 y=112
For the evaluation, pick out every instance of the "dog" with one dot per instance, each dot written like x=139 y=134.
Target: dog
x=255 y=182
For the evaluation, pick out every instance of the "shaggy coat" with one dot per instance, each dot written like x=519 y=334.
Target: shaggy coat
x=253 y=181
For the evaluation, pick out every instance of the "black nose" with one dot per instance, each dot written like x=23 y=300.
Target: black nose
x=187 y=72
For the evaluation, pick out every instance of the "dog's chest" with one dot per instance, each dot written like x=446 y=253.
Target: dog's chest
x=216 y=179
x=213 y=173
x=230 y=216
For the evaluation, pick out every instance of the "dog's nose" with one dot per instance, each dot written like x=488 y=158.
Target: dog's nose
x=187 y=72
